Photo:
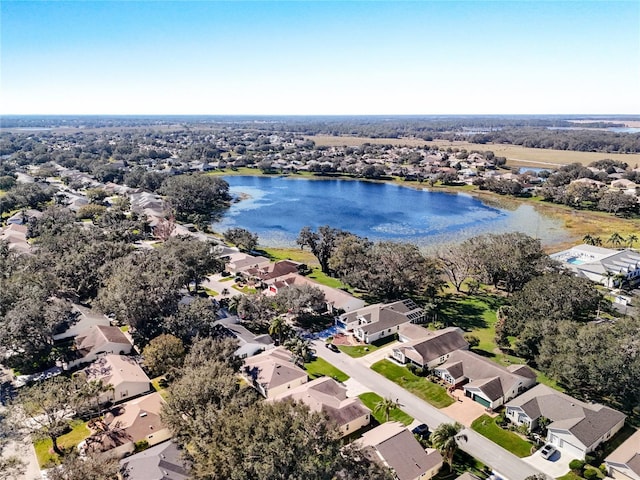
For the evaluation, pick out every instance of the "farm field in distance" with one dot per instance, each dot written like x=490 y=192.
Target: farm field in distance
x=516 y=155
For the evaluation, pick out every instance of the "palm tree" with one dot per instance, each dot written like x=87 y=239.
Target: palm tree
x=589 y=239
x=443 y=439
x=633 y=238
x=386 y=405
x=597 y=241
x=616 y=239
x=233 y=303
x=301 y=350
x=278 y=327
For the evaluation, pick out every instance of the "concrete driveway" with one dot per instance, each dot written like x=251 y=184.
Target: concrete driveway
x=465 y=410
x=556 y=466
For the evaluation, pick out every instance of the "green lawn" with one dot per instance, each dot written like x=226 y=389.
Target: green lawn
x=210 y=292
x=362 y=350
x=320 y=367
x=371 y=399
x=476 y=314
x=436 y=395
x=245 y=289
x=573 y=476
x=226 y=279
x=486 y=426
x=155 y=383
x=79 y=431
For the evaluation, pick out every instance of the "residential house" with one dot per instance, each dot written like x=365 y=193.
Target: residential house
x=576 y=427
x=249 y=343
x=239 y=262
x=326 y=395
x=23 y=216
x=273 y=372
x=99 y=340
x=336 y=300
x=624 y=462
x=433 y=350
x=395 y=447
x=602 y=265
x=379 y=321
x=161 y=462
x=122 y=373
x=129 y=423
x=484 y=381
x=16 y=237
x=85 y=319
x=270 y=271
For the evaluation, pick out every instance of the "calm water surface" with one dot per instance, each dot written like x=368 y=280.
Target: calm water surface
x=278 y=207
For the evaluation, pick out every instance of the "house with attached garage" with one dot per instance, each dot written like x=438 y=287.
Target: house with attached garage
x=395 y=447
x=483 y=381
x=576 y=427
x=624 y=462
x=326 y=395
x=98 y=340
x=432 y=350
x=379 y=321
x=123 y=373
x=273 y=372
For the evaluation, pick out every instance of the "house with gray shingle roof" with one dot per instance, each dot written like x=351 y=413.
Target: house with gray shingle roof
x=624 y=461
x=394 y=446
x=432 y=350
x=576 y=427
x=161 y=462
x=379 y=321
x=273 y=372
x=484 y=381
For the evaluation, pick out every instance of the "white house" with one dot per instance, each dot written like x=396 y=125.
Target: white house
x=86 y=318
x=576 y=427
x=379 y=321
x=484 y=381
x=624 y=461
x=99 y=340
x=123 y=373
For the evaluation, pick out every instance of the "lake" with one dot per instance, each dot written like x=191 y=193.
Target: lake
x=276 y=208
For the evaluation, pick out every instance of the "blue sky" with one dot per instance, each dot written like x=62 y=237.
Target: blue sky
x=299 y=57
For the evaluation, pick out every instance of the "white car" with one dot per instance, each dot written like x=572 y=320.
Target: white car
x=547 y=451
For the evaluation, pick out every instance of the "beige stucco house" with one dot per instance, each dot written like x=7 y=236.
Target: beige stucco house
x=624 y=461
x=122 y=373
x=273 y=372
x=326 y=395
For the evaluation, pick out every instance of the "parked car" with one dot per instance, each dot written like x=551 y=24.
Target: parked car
x=332 y=347
x=547 y=451
x=422 y=431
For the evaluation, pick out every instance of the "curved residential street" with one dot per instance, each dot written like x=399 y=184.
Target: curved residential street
x=507 y=465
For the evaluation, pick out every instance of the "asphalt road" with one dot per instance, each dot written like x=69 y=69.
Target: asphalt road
x=503 y=462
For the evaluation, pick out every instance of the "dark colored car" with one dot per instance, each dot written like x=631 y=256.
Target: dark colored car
x=422 y=431
x=332 y=347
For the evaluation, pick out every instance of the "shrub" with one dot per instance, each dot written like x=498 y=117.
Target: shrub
x=419 y=371
x=412 y=367
x=590 y=459
x=590 y=474
x=140 y=446
x=576 y=465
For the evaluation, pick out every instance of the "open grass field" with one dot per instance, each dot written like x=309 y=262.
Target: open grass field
x=321 y=368
x=371 y=399
x=44 y=453
x=516 y=155
x=435 y=394
x=486 y=426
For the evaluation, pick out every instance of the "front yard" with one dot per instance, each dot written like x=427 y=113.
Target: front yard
x=486 y=426
x=358 y=351
x=44 y=453
x=321 y=368
x=371 y=399
x=435 y=394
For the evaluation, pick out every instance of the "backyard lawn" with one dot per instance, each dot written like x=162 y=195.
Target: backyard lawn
x=371 y=399
x=320 y=368
x=486 y=426
x=44 y=453
x=476 y=314
x=435 y=394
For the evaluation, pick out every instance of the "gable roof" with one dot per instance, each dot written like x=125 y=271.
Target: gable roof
x=116 y=369
x=378 y=317
x=271 y=271
x=587 y=422
x=627 y=454
x=160 y=462
x=400 y=450
x=273 y=368
x=326 y=395
x=98 y=335
x=436 y=345
x=490 y=378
